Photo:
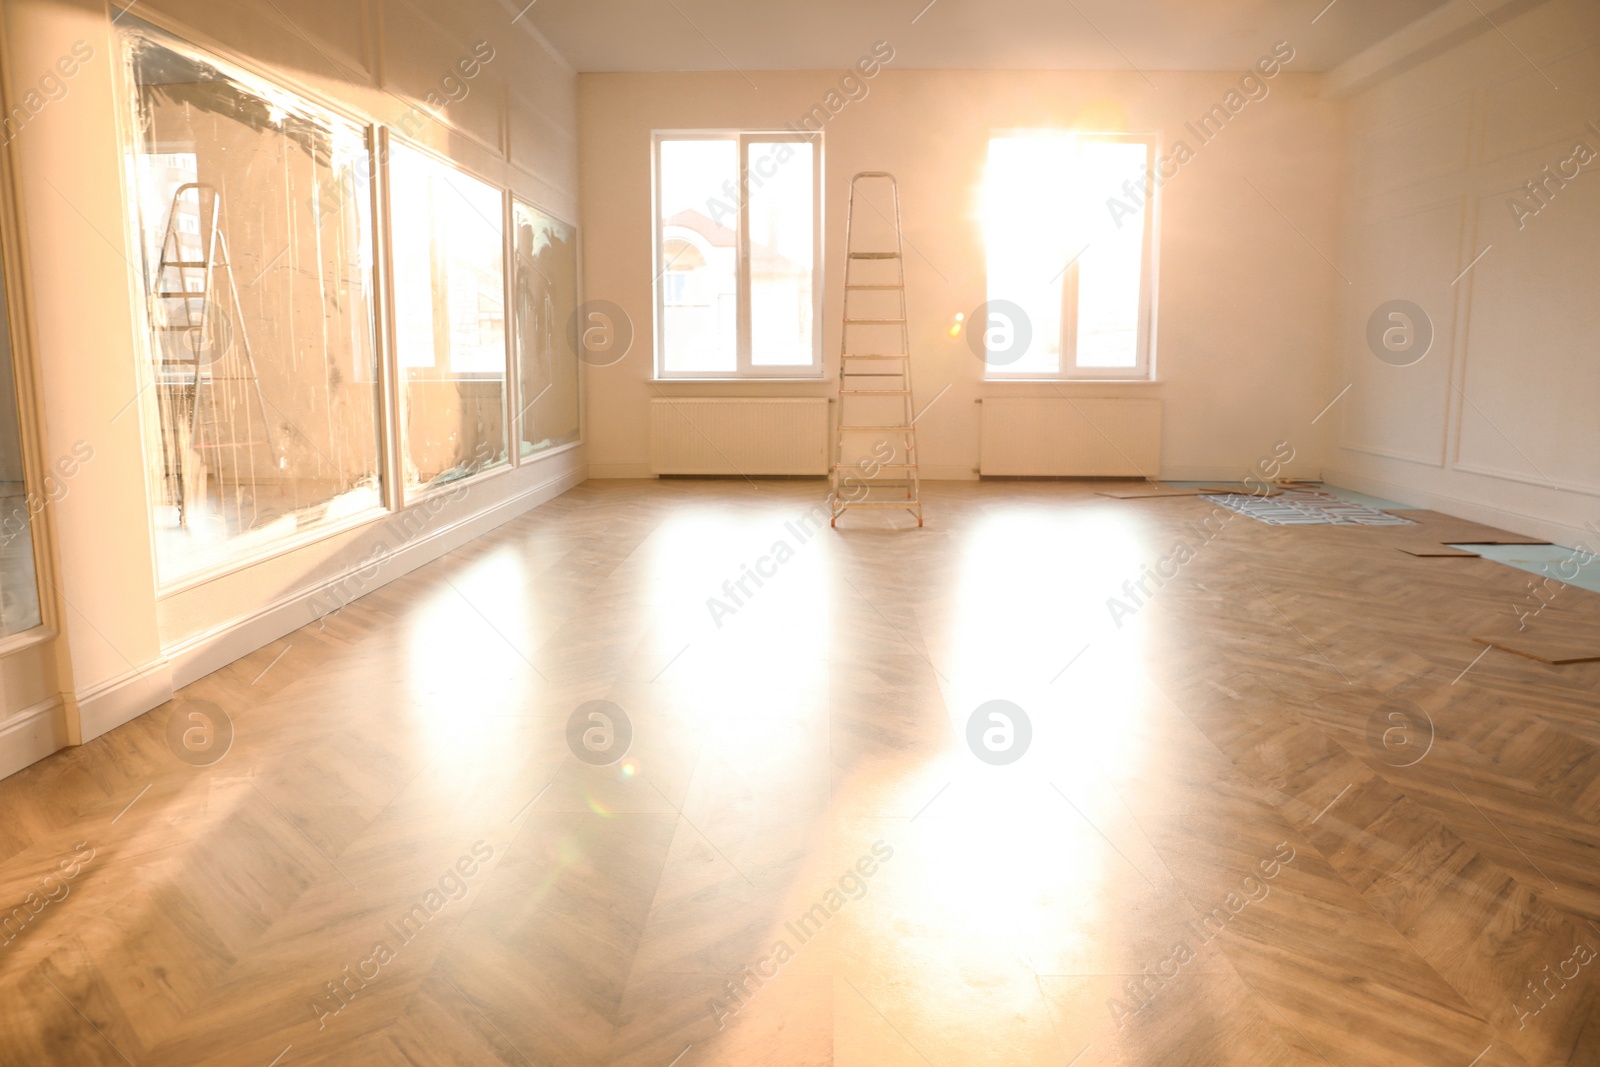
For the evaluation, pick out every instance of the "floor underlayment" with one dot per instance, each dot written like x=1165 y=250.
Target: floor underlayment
x=1546 y=561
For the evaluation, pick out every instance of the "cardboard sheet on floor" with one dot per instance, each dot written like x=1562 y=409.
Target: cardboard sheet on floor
x=1554 y=635
x=1432 y=551
x=1150 y=489
x=1552 y=648
x=1156 y=489
x=1450 y=530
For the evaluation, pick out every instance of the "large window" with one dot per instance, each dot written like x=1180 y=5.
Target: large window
x=1069 y=233
x=269 y=407
x=450 y=318
x=19 y=587
x=546 y=324
x=255 y=233
x=738 y=255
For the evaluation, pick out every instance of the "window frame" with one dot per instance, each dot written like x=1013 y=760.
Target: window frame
x=1067 y=369
x=20 y=327
x=404 y=495
x=177 y=36
x=744 y=368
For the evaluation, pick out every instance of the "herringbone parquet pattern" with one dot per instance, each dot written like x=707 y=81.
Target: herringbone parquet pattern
x=1275 y=809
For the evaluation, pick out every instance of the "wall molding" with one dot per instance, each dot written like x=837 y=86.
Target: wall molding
x=630 y=471
x=1521 y=522
x=1434 y=34
x=41 y=729
x=1539 y=482
x=1382 y=453
x=1214 y=473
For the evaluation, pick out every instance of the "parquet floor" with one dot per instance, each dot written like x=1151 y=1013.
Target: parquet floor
x=1281 y=810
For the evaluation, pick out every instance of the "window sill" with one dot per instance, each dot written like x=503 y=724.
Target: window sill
x=1073 y=381
x=752 y=379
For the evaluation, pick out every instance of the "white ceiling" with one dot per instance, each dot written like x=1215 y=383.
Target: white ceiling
x=645 y=35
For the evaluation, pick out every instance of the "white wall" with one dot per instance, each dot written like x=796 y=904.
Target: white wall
x=122 y=646
x=1246 y=302
x=1501 y=419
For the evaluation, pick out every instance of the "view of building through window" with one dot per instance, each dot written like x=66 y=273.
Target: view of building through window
x=738 y=242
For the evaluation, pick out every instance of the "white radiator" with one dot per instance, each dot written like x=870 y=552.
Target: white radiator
x=1054 y=436
x=739 y=435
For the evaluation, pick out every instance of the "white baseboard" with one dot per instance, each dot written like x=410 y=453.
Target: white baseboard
x=123 y=699
x=36 y=732
x=931 y=472
x=204 y=653
x=620 y=470
x=1235 y=474
x=31 y=735
x=948 y=472
x=1560 y=533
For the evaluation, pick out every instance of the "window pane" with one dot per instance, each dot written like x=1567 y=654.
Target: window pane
x=699 y=255
x=781 y=247
x=1028 y=226
x=257 y=246
x=1064 y=224
x=449 y=285
x=19 y=589
x=1111 y=271
x=547 y=344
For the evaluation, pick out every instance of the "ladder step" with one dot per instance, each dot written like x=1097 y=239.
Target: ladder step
x=908 y=502
x=875 y=392
x=875 y=429
x=873 y=322
x=879 y=288
x=874 y=255
x=881 y=466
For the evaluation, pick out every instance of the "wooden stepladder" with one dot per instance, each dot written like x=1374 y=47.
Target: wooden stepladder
x=875 y=461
